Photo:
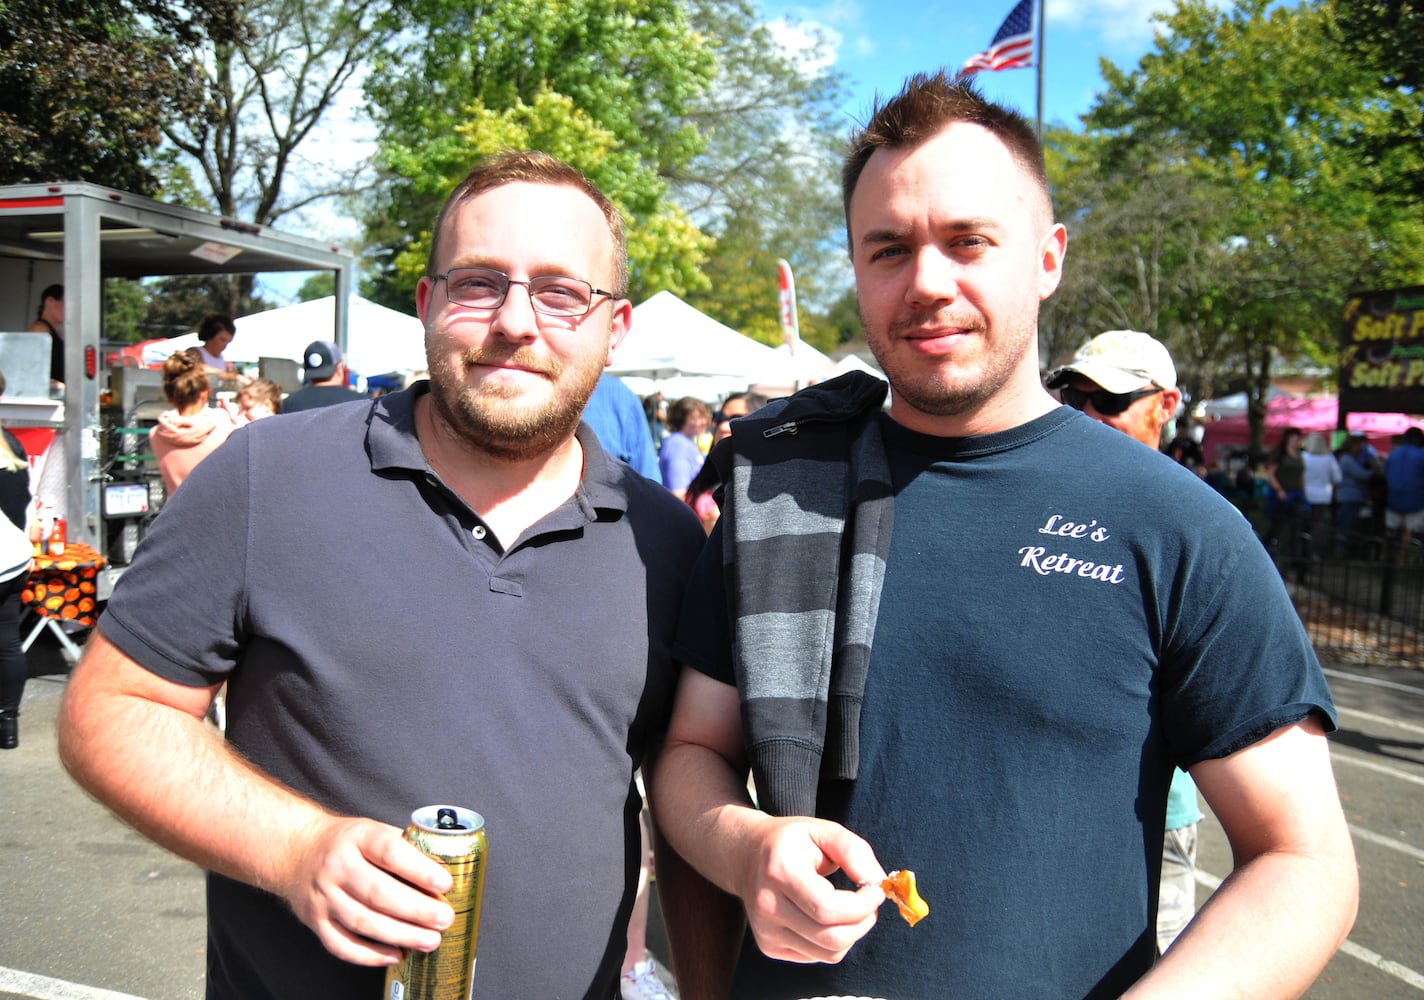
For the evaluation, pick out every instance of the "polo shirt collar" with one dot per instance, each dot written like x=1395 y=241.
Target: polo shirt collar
x=391 y=443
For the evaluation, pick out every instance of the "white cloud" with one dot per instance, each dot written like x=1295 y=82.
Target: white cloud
x=799 y=40
x=1117 y=22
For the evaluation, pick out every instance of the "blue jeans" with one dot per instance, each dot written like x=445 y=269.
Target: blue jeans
x=1347 y=524
x=1286 y=518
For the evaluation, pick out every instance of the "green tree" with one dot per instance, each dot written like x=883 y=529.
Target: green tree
x=86 y=87
x=686 y=112
x=178 y=304
x=842 y=318
x=1148 y=246
x=268 y=82
x=125 y=311
x=765 y=183
x=604 y=84
x=318 y=286
x=1249 y=117
x=1386 y=39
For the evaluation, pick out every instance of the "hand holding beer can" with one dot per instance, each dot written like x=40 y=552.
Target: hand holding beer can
x=456 y=838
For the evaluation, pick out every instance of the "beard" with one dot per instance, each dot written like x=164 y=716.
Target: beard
x=495 y=419
x=948 y=389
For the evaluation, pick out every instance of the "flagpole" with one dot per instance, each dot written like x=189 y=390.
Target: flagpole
x=1039 y=68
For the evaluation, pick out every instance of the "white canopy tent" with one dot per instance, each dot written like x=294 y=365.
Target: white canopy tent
x=670 y=338
x=380 y=340
x=855 y=363
x=675 y=348
x=806 y=366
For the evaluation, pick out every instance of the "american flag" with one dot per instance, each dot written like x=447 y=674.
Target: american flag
x=1012 y=47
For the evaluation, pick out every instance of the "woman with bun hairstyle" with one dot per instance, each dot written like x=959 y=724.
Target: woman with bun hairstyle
x=189 y=432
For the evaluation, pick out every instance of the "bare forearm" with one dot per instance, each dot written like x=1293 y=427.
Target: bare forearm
x=699 y=802
x=1267 y=932
x=140 y=745
x=691 y=787
x=175 y=780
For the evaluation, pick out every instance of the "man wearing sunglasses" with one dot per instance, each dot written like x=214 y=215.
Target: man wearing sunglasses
x=449 y=595
x=1127 y=380
x=1124 y=379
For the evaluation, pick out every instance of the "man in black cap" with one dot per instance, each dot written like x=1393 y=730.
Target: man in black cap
x=325 y=378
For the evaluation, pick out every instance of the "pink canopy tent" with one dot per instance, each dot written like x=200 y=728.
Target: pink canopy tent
x=1231 y=432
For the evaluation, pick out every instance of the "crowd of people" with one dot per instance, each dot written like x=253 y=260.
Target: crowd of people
x=974 y=633
x=1309 y=501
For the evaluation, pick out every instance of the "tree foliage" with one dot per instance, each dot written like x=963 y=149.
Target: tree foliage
x=86 y=87
x=266 y=86
x=1386 y=39
x=1216 y=199
x=685 y=112
x=765 y=184
x=604 y=84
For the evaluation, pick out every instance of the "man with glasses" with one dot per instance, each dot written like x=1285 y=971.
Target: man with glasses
x=1127 y=380
x=450 y=595
x=970 y=635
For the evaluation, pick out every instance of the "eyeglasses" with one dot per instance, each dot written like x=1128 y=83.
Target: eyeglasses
x=1109 y=404
x=549 y=294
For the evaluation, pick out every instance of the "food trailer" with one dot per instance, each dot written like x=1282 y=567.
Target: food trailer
x=87 y=457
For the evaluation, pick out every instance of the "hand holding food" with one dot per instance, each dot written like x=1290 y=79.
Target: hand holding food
x=900 y=886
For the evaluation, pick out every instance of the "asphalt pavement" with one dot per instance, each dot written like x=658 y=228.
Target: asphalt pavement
x=91 y=910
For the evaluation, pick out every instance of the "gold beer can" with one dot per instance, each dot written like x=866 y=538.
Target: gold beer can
x=456 y=838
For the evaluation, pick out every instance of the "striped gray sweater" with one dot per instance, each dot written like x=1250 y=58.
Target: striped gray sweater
x=806 y=518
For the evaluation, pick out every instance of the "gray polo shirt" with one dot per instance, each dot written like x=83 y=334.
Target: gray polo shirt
x=383 y=652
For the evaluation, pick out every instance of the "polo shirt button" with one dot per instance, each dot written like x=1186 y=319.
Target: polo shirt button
x=478 y=531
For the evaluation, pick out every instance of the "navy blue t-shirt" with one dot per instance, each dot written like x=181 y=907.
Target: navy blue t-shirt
x=1065 y=615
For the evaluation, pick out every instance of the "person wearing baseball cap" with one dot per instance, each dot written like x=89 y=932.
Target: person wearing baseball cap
x=1124 y=379
x=325 y=377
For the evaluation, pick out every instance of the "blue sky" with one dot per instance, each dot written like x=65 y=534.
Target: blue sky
x=876 y=45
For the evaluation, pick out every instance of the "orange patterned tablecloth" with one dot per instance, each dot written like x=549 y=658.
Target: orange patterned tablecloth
x=64 y=586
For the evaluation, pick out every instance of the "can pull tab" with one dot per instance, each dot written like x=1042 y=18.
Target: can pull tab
x=445 y=819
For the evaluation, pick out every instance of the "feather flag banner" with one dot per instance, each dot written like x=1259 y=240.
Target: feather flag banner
x=1012 y=46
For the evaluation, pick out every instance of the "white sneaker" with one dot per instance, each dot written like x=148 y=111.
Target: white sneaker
x=642 y=983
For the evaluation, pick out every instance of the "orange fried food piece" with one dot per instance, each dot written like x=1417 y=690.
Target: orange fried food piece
x=900 y=886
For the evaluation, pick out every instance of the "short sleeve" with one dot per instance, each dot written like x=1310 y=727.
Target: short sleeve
x=177 y=609
x=704 y=635
x=1242 y=665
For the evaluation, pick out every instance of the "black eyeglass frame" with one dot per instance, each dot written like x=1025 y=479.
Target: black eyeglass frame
x=528 y=287
x=1109 y=404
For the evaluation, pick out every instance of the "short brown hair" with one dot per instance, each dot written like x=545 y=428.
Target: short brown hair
x=926 y=105
x=681 y=410
x=533 y=167
x=185 y=379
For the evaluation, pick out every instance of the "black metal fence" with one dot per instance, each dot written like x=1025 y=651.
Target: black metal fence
x=1363 y=610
